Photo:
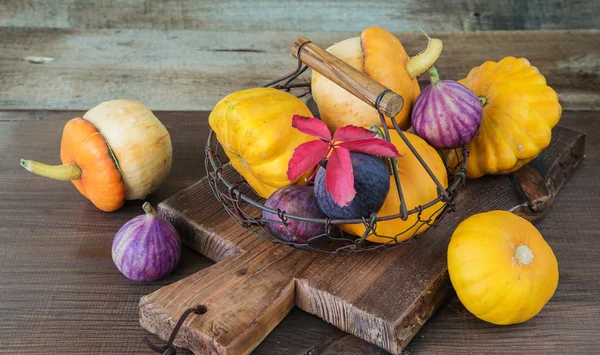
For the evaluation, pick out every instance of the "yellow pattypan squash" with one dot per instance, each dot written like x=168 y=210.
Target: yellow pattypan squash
x=254 y=127
x=502 y=269
x=519 y=111
x=417 y=188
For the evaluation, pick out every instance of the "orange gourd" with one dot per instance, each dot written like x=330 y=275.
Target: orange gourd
x=501 y=267
x=417 y=187
x=100 y=179
x=381 y=56
x=519 y=111
x=118 y=151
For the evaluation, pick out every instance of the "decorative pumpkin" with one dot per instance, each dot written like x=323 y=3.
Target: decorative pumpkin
x=519 y=111
x=417 y=187
x=501 y=267
x=381 y=56
x=118 y=151
x=254 y=127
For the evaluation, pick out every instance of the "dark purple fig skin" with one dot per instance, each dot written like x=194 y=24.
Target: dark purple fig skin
x=447 y=114
x=298 y=201
x=371 y=182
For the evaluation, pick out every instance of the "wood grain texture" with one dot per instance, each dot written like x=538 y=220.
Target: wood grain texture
x=347 y=345
x=58 y=278
x=383 y=298
x=394 y=293
x=73 y=300
x=572 y=316
x=246 y=296
x=191 y=70
x=302 y=15
x=199 y=227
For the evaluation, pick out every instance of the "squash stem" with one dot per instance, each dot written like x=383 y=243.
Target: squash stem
x=419 y=64
x=378 y=131
x=65 y=172
x=523 y=254
x=483 y=100
x=147 y=207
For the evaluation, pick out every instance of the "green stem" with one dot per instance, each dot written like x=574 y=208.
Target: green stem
x=378 y=130
x=434 y=77
x=64 y=172
x=483 y=100
x=147 y=207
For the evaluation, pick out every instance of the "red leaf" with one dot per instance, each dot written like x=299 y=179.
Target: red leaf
x=312 y=126
x=305 y=157
x=339 y=177
x=373 y=146
x=350 y=133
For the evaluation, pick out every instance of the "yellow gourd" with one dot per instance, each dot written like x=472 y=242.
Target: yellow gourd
x=519 y=111
x=501 y=267
x=417 y=187
x=378 y=54
x=254 y=127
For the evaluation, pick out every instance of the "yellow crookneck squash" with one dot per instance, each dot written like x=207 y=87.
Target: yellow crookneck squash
x=519 y=111
x=417 y=188
x=501 y=267
x=378 y=54
x=254 y=127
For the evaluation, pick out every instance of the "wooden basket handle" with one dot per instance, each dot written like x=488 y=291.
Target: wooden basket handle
x=350 y=79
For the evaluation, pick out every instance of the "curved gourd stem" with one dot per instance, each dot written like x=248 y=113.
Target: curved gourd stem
x=147 y=207
x=65 y=172
x=420 y=63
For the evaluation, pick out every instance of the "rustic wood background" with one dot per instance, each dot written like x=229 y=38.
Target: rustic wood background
x=59 y=291
x=186 y=55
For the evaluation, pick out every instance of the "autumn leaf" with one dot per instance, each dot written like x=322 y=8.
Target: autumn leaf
x=305 y=157
x=349 y=133
x=311 y=126
x=339 y=177
x=371 y=146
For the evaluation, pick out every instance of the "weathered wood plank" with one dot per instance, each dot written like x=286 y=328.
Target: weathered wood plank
x=347 y=345
x=303 y=15
x=245 y=297
x=59 y=283
x=383 y=298
x=572 y=317
x=191 y=70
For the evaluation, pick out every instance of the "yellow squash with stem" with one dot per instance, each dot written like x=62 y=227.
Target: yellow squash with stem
x=501 y=267
x=519 y=111
x=381 y=56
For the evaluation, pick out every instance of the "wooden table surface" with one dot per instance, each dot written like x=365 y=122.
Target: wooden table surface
x=59 y=290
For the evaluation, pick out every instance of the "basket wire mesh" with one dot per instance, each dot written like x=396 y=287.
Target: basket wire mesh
x=246 y=207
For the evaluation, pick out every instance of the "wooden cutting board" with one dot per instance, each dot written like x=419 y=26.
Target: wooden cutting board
x=381 y=297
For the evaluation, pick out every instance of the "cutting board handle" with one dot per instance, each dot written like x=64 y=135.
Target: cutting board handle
x=242 y=299
x=350 y=79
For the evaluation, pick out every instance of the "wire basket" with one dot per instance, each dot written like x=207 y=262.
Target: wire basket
x=245 y=206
